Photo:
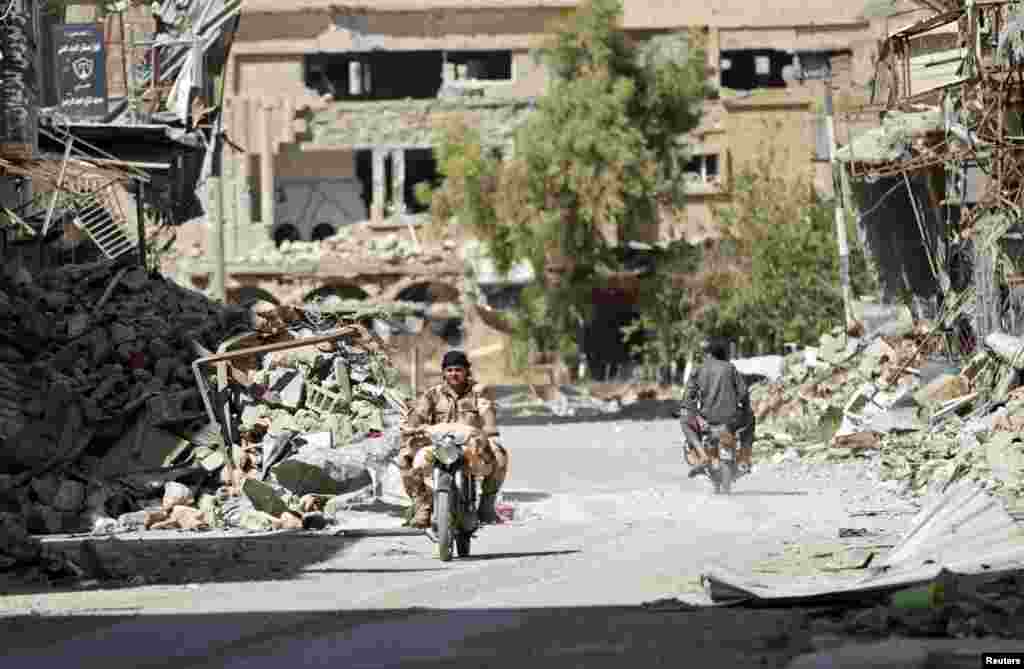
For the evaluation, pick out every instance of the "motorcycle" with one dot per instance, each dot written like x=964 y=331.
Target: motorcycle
x=454 y=520
x=698 y=440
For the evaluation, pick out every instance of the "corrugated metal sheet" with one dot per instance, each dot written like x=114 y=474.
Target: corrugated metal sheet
x=966 y=531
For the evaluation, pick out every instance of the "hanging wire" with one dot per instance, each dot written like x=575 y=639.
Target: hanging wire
x=880 y=202
x=7 y=12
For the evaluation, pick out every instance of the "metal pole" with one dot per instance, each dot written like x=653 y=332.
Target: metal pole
x=415 y=373
x=216 y=208
x=140 y=223
x=844 y=251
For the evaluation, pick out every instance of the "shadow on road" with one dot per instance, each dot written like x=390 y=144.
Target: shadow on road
x=504 y=556
x=186 y=557
x=581 y=636
x=380 y=506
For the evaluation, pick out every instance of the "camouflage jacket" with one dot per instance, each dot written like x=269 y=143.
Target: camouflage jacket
x=441 y=404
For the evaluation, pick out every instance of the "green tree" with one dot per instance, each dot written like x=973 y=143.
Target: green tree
x=783 y=282
x=594 y=165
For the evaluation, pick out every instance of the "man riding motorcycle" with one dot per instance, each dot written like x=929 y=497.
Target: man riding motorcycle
x=717 y=395
x=456 y=400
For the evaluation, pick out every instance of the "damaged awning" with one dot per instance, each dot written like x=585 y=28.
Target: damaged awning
x=894 y=140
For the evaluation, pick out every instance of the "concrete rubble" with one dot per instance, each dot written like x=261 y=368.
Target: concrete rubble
x=894 y=397
x=104 y=430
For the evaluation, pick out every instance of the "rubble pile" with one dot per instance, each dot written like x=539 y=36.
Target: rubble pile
x=350 y=244
x=83 y=350
x=893 y=397
x=105 y=430
x=316 y=425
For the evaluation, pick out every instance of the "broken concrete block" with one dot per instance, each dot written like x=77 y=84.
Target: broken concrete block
x=170 y=408
x=78 y=324
x=176 y=494
x=288 y=386
x=315 y=440
x=154 y=516
x=134 y=520
x=135 y=280
x=321 y=470
x=291 y=521
x=34 y=445
x=142 y=448
x=263 y=497
x=15 y=540
x=70 y=496
x=122 y=334
x=1007 y=348
x=1004 y=452
x=41 y=519
x=8 y=354
x=257 y=521
x=942 y=389
x=183 y=517
x=45 y=488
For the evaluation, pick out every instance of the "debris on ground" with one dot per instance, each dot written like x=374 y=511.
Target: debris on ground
x=563 y=401
x=956 y=572
x=104 y=430
x=896 y=396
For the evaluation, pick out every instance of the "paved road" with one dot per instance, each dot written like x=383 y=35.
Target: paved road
x=606 y=520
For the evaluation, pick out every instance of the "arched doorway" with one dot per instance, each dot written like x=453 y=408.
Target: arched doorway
x=286 y=233
x=323 y=231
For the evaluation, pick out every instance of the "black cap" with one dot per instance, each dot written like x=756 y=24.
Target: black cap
x=454 y=359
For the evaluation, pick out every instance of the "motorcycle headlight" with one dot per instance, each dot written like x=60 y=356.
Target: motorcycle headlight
x=447 y=453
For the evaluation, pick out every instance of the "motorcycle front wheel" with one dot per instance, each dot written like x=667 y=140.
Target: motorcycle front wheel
x=726 y=474
x=443 y=513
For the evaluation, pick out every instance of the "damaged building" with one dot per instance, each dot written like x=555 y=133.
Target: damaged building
x=330 y=111
x=938 y=181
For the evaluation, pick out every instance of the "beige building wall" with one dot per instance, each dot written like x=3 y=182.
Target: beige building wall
x=271 y=75
x=783 y=134
x=267 y=56
x=298 y=162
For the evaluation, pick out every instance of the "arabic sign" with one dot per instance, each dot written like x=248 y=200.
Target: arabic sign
x=81 y=70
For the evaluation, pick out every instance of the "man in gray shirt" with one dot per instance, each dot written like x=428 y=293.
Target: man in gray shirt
x=717 y=394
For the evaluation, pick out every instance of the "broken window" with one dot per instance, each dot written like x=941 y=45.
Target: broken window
x=479 y=65
x=420 y=167
x=748 y=69
x=377 y=75
x=702 y=169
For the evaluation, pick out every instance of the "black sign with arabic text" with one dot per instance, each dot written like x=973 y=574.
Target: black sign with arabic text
x=81 y=63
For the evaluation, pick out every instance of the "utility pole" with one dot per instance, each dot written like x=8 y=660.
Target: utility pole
x=816 y=66
x=837 y=189
x=216 y=214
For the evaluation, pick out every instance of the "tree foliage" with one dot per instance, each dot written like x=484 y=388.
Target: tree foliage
x=778 y=263
x=594 y=163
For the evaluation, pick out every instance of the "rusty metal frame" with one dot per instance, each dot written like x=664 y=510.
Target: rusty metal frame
x=222 y=359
